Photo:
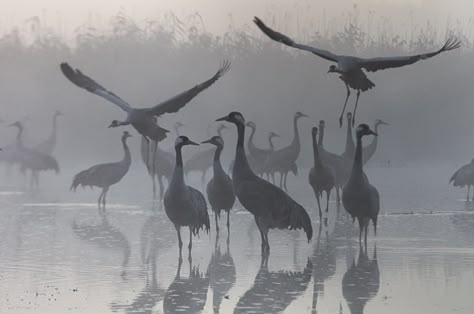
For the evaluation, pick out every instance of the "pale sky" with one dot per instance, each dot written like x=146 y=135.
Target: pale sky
x=66 y=15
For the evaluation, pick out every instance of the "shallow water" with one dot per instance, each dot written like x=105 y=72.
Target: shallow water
x=58 y=254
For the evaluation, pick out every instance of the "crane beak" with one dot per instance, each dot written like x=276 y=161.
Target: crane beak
x=222 y=119
x=384 y=123
x=373 y=133
x=207 y=142
x=192 y=143
x=304 y=115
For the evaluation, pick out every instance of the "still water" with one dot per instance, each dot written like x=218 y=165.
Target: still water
x=58 y=254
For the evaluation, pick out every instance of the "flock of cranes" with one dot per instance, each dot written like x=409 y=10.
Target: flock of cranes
x=271 y=205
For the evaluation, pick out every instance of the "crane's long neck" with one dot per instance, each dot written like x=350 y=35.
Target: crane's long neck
x=178 y=175
x=374 y=140
x=321 y=135
x=250 y=143
x=217 y=160
x=127 y=158
x=19 y=137
x=317 y=157
x=241 y=165
x=357 y=165
x=296 y=134
x=350 y=147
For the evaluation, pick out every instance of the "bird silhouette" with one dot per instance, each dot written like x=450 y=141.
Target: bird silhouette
x=464 y=176
x=31 y=159
x=202 y=160
x=370 y=149
x=361 y=282
x=270 y=205
x=105 y=236
x=105 y=175
x=222 y=275
x=322 y=178
x=48 y=146
x=220 y=191
x=274 y=291
x=284 y=160
x=184 y=205
x=187 y=295
x=351 y=68
x=361 y=199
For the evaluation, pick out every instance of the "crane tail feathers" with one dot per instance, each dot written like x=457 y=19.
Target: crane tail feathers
x=299 y=219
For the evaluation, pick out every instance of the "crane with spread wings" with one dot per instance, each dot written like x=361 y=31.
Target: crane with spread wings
x=351 y=68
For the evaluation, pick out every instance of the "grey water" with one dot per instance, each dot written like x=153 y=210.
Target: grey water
x=58 y=254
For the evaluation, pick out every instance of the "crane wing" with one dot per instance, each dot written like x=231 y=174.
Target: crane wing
x=376 y=64
x=180 y=100
x=83 y=81
x=276 y=36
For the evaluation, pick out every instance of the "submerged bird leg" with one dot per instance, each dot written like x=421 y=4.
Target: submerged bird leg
x=355 y=108
x=106 y=189
x=180 y=242
x=99 y=201
x=217 y=223
x=345 y=104
x=361 y=229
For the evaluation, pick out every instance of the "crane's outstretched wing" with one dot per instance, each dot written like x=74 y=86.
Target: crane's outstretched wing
x=83 y=81
x=376 y=64
x=276 y=36
x=180 y=100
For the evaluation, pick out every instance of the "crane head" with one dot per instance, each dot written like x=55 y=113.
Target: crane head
x=234 y=117
x=299 y=114
x=183 y=141
x=333 y=69
x=251 y=124
x=215 y=140
x=363 y=129
x=273 y=134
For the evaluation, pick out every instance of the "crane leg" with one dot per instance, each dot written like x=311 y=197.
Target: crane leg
x=99 y=201
x=338 y=197
x=361 y=229
x=261 y=234
x=180 y=242
x=468 y=188
x=355 y=108
x=284 y=182
x=316 y=194
x=160 y=186
x=366 y=227
x=228 y=222
x=203 y=179
x=345 y=104
x=217 y=223
x=153 y=160
x=104 y=197
x=190 y=245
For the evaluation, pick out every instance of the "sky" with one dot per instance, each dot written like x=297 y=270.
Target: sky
x=65 y=16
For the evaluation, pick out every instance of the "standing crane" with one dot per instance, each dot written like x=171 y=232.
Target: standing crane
x=361 y=199
x=322 y=178
x=220 y=192
x=284 y=159
x=464 y=176
x=105 y=175
x=31 y=159
x=350 y=68
x=370 y=149
x=270 y=205
x=201 y=161
x=48 y=146
x=349 y=149
x=184 y=205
